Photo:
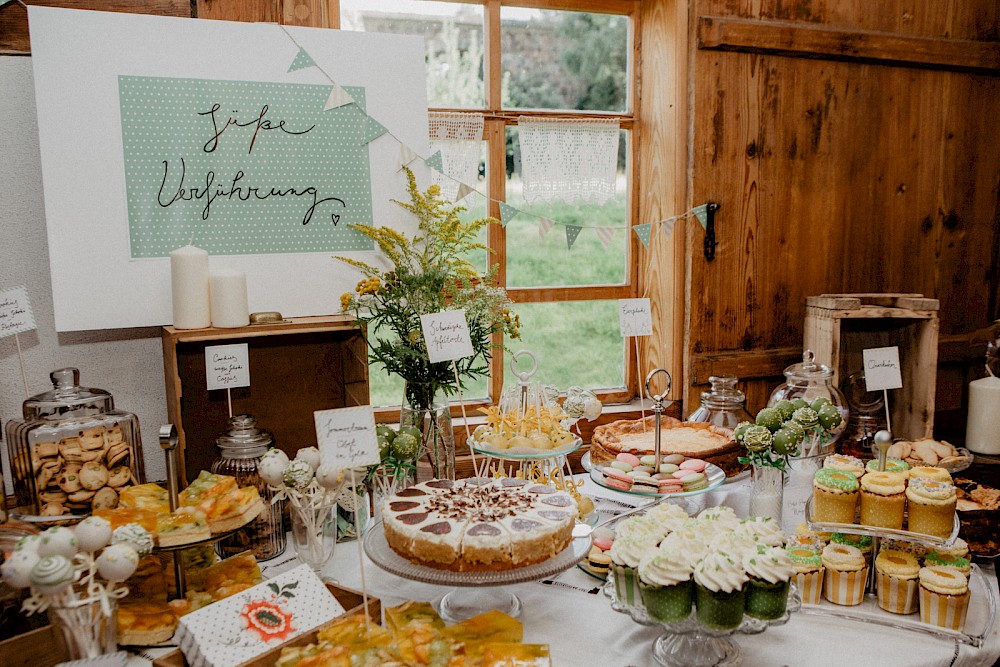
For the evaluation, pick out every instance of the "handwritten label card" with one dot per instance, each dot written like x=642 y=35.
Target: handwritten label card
x=346 y=437
x=882 y=368
x=635 y=317
x=227 y=366
x=15 y=312
x=447 y=335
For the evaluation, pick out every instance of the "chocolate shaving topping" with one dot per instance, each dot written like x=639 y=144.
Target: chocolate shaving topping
x=402 y=505
x=439 y=528
x=478 y=503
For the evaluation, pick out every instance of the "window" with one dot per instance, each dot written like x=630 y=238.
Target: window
x=543 y=60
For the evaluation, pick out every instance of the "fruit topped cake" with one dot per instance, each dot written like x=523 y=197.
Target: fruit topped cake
x=479 y=523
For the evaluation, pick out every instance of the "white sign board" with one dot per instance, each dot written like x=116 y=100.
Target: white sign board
x=227 y=366
x=346 y=437
x=89 y=68
x=635 y=317
x=882 y=368
x=15 y=311
x=446 y=335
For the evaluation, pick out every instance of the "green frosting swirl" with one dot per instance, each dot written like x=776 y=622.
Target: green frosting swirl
x=836 y=479
x=804 y=556
x=863 y=542
x=935 y=558
x=891 y=465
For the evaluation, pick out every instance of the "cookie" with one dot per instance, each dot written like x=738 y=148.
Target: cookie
x=113 y=435
x=119 y=476
x=92 y=438
x=53 y=509
x=106 y=498
x=69 y=480
x=52 y=496
x=46 y=449
x=116 y=454
x=93 y=475
x=81 y=496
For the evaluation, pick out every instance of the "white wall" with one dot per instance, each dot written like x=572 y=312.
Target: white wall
x=126 y=362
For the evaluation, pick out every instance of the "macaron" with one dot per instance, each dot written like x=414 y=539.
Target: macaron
x=615 y=473
x=694 y=481
x=621 y=465
x=647 y=484
x=646 y=469
x=603 y=543
x=696 y=465
x=648 y=460
x=638 y=474
x=669 y=468
x=670 y=481
x=630 y=459
x=667 y=490
x=681 y=473
x=598 y=560
x=676 y=459
x=618 y=484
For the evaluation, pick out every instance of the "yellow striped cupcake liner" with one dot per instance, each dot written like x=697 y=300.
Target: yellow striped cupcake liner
x=845 y=588
x=895 y=595
x=944 y=611
x=810 y=585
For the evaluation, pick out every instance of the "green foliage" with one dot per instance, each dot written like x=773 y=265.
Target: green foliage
x=590 y=53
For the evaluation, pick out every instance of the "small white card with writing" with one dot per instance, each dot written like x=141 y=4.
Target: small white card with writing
x=635 y=318
x=15 y=311
x=882 y=368
x=346 y=437
x=243 y=626
x=447 y=335
x=227 y=366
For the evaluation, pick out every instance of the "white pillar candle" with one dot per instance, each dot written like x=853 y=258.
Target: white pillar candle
x=982 y=434
x=189 y=288
x=229 y=299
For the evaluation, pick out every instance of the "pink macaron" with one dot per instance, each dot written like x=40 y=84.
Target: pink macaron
x=630 y=459
x=603 y=543
x=680 y=473
x=618 y=484
x=694 y=465
x=615 y=473
x=670 y=481
x=664 y=490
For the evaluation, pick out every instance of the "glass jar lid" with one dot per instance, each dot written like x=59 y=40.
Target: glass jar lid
x=67 y=398
x=723 y=393
x=808 y=371
x=243 y=439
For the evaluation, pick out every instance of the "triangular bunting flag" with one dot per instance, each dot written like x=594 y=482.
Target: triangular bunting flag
x=507 y=213
x=406 y=156
x=572 y=231
x=374 y=130
x=463 y=191
x=544 y=225
x=302 y=60
x=338 y=98
x=605 y=235
x=701 y=212
x=667 y=227
x=642 y=231
x=435 y=162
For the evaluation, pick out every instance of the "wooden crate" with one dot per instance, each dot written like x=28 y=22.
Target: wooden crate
x=350 y=599
x=296 y=367
x=839 y=326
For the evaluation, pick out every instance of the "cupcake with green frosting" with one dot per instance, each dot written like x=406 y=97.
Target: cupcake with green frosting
x=896 y=466
x=835 y=496
x=862 y=543
x=665 y=584
x=809 y=570
x=766 y=590
x=719 y=599
x=939 y=559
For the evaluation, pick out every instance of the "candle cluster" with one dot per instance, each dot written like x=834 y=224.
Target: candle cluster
x=202 y=299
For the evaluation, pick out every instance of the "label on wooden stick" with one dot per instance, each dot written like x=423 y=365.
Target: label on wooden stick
x=635 y=317
x=882 y=369
x=15 y=312
x=227 y=366
x=346 y=437
x=446 y=335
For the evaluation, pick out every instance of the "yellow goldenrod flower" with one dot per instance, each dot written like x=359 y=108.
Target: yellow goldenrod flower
x=345 y=300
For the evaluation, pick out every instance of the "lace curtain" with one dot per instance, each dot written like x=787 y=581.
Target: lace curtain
x=458 y=136
x=568 y=158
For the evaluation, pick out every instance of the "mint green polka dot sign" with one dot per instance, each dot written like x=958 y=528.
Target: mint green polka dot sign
x=243 y=167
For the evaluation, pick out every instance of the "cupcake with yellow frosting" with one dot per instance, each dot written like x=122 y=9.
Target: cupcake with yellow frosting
x=930 y=472
x=835 y=496
x=883 y=499
x=895 y=466
x=931 y=507
x=863 y=543
x=846 y=574
x=939 y=559
x=896 y=581
x=851 y=464
x=944 y=597
x=809 y=571
x=958 y=548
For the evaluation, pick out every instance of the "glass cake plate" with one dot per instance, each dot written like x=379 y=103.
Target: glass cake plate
x=473 y=593
x=523 y=453
x=715 y=476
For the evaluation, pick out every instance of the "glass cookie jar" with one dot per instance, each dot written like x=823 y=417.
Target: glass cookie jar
x=723 y=405
x=240 y=450
x=809 y=381
x=74 y=452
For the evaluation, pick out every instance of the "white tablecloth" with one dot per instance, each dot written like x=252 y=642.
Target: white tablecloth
x=575 y=619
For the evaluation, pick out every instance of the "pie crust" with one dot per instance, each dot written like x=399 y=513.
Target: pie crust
x=691 y=439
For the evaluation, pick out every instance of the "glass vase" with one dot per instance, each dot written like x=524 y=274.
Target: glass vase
x=432 y=418
x=314 y=534
x=766 y=491
x=87 y=627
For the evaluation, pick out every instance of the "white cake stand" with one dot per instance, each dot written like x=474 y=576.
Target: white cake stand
x=472 y=593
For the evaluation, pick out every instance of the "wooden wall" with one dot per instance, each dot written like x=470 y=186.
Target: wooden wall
x=843 y=161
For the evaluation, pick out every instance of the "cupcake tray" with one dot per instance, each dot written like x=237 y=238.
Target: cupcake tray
x=979 y=622
x=524 y=454
x=874 y=531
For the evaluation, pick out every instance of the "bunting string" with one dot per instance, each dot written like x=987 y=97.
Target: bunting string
x=645 y=232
